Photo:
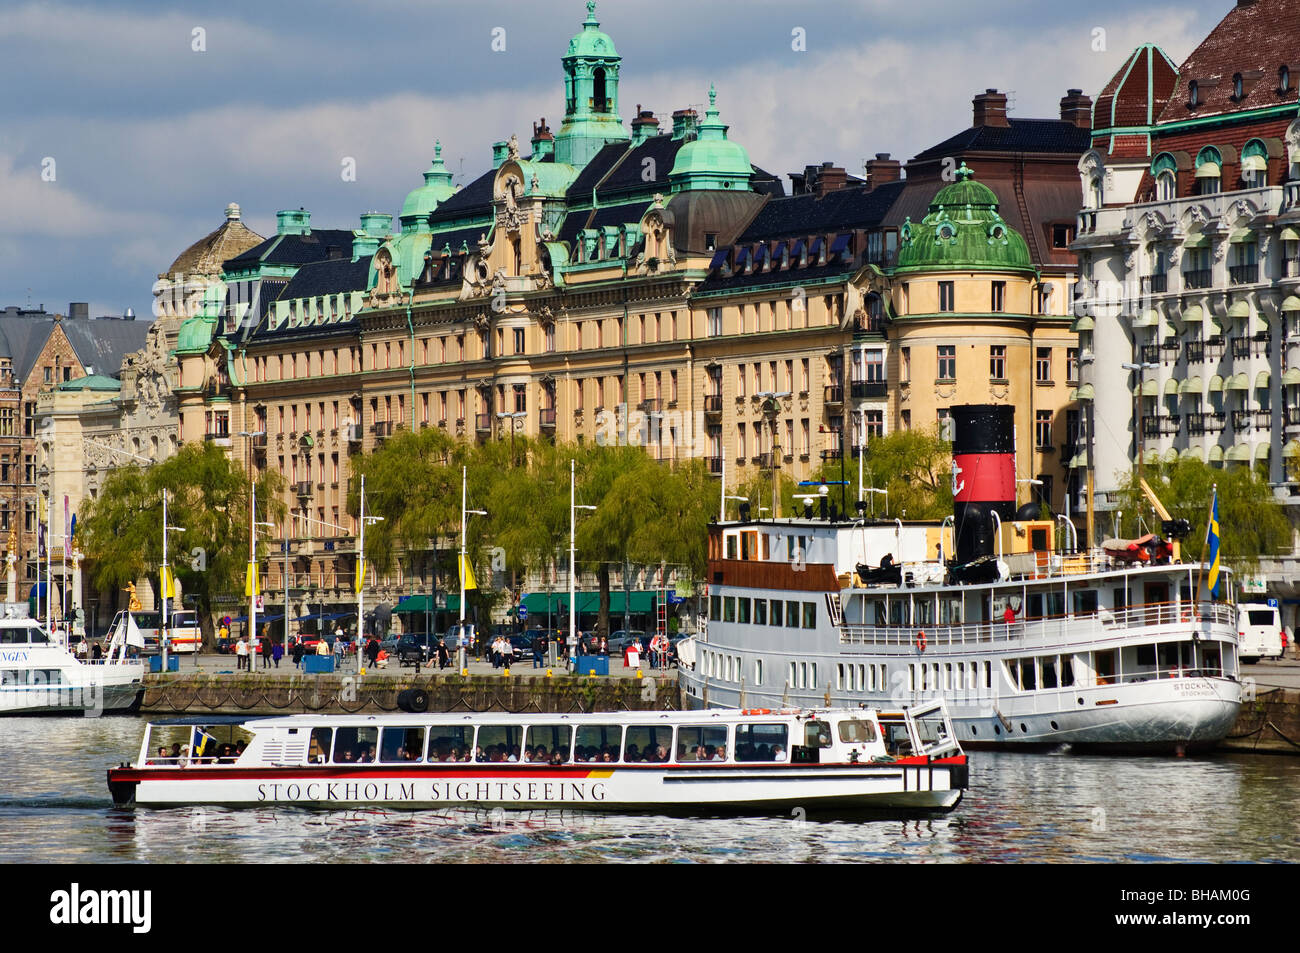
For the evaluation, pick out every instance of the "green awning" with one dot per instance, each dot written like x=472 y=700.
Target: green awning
x=1262 y=380
x=1292 y=449
x=1260 y=324
x=1289 y=234
x=1215 y=455
x=1239 y=454
x=1238 y=382
x=1171 y=455
x=1077 y=461
x=1239 y=310
x=1150 y=388
x=1085 y=392
x=1190 y=386
x=1292 y=377
x=539 y=603
x=1198 y=240
x=1192 y=453
x=1216 y=383
x=1152 y=456
x=1149 y=318
x=1240 y=235
x=1291 y=303
x=1194 y=313
x=1083 y=323
x=416 y=604
x=1171 y=387
x=1262 y=452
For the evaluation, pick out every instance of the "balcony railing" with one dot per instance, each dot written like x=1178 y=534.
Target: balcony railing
x=1150 y=353
x=352 y=433
x=1292 y=416
x=1243 y=274
x=1241 y=419
x=765 y=460
x=1196 y=352
x=651 y=405
x=1170 y=345
x=1291 y=268
x=714 y=464
x=1198 y=278
x=382 y=428
x=1155 y=284
x=859 y=390
x=832 y=453
x=1263 y=418
x=834 y=394
x=1171 y=423
x=302 y=488
x=220 y=439
x=1150 y=426
x=547 y=418
x=1241 y=347
x=1203 y=423
x=483 y=423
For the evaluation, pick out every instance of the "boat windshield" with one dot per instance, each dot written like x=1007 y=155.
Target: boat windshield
x=180 y=746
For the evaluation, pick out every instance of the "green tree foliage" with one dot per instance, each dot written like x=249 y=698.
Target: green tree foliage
x=1251 y=522
x=208 y=495
x=915 y=466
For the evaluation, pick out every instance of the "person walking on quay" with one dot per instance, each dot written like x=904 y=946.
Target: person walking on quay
x=296 y=653
x=443 y=655
x=241 y=654
x=266 y=646
x=372 y=650
x=277 y=653
x=323 y=646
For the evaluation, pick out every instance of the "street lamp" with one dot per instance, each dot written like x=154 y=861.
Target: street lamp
x=874 y=491
x=46 y=492
x=771 y=406
x=573 y=589
x=362 y=521
x=254 y=590
x=1138 y=435
x=514 y=419
x=465 y=513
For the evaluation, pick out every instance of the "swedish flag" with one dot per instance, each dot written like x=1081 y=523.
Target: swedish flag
x=1212 y=580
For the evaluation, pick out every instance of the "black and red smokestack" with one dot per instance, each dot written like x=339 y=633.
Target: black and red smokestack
x=983 y=475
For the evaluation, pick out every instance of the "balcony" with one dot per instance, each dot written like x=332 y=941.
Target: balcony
x=765 y=461
x=1155 y=284
x=871 y=390
x=1292 y=416
x=352 y=433
x=651 y=405
x=220 y=439
x=832 y=453
x=1241 y=347
x=1263 y=419
x=834 y=394
x=1171 y=423
x=1196 y=352
x=1214 y=347
x=713 y=405
x=1291 y=267
x=483 y=423
x=714 y=464
x=1151 y=425
x=1243 y=274
x=1150 y=354
x=1171 y=345
x=302 y=488
x=546 y=418
x=1198 y=278
x=1242 y=419
x=259 y=440
x=1203 y=423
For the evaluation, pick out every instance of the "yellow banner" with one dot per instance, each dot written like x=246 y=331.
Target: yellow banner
x=252 y=584
x=168 y=580
x=361 y=574
x=467 y=573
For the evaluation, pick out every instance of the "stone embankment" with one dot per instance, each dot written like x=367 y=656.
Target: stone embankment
x=202 y=693
x=1268 y=724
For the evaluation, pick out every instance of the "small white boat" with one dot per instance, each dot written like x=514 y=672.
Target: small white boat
x=756 y=760
x=39 y=675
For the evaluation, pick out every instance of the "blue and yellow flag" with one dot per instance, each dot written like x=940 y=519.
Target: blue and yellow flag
x=1212 y=580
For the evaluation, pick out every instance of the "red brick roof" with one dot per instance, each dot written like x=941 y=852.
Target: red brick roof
x=1255 y=39
x=1124 y=101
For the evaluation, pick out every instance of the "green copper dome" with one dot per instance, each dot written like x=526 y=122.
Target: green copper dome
x=420 y=202
x=592 y=41
x=962 y=231
x=195 y=335
x=711 y=160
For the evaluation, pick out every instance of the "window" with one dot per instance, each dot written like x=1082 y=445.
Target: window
x=1283 y=80
x=714 y=327
x=1071 y=365
x=519 y=340
x=947 y=362
x=997 y=362
x=945 y=296
x=1238 y=87
x=1193 y=94
x=1166 y=187
x=1043 y=365
x=944 y=421
x=549 y=334
x=999 y=296
x=874 y=363
x=874 y=424
x=905 y=365
x=1062 y=235
x=1043 y=429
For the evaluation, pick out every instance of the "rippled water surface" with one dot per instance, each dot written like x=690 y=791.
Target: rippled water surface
x=54 y=807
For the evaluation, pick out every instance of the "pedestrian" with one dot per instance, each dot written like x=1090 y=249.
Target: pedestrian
x=277 y=653
x=323 y=646
x=297 y=653
x=266 y=646
x=539 y=648
x=443 y=655
x=241 y=654
x=372 y=650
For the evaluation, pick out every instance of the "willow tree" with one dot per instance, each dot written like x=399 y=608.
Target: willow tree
x=207 y=496
x=913 y=466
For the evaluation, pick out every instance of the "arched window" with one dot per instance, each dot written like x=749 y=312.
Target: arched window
x=1254 y=164
x=1209 y=165
x=599 y=103
x=1166 y=187
x=1193 y=94
x=1096 y=193
x=1238 y=88
x=1284 y=80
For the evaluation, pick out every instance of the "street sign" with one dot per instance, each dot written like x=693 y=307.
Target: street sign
x=523 y=612
x=1272 y=603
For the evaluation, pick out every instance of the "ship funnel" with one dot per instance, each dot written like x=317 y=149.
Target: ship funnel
x=983 y=475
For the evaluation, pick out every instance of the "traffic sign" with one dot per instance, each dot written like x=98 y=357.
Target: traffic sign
x=523 y=612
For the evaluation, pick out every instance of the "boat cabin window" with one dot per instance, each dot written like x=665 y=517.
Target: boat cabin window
x=355 y=745
x=763 y=742
x=186 y=745
x=950 y=610
x=857 y=731
x=774 y=612
x=898 y=611
x=817 y=734
x=1034 y=605
x=548 y=744
x=23 y=635
x=923 y=611
x=1146 y=655
x=702 y=743
x=728 y=608
x=648 y=744
x=1048 y=666
x=731 y=547
x=1104 y=665
x=451 y=744
x=760 y=612
x=810 y=615
x=742 y=611
x=792 y=614
x=1027 y=680
x=598 y=743
x=499 y=743
x=715 y=608
x=1085 y=601
x=29 y=676
x=1056 y=603
x=401 y=744
x=875 y=614
x=319 y=746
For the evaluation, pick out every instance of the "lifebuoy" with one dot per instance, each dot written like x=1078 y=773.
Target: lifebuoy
x=920 y=640
x=757 y=711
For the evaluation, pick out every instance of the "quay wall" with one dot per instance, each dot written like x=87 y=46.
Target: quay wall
x=1267 y=724
x=181 y=695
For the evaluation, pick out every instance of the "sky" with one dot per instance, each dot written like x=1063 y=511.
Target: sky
x=130 y=124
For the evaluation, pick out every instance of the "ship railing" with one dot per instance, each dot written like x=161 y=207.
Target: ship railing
x=1047 y=630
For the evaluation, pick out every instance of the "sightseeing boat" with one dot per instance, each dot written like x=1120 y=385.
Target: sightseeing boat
x=755 y=760
x=40 y=676
x=1029 y=644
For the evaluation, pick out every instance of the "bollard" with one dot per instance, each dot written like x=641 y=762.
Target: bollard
x=549 y=673
x=638 y=673
x=506 y=673
x=591 y=673
x=464 y=672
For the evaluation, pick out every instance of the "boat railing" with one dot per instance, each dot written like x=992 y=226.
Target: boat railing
x=1099 y=624
x=1054 y=564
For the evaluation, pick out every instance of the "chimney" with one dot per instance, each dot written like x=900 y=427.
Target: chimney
x=1076 y=108
x=684 y=122
x=79 y=309
x=543 y=141
x=829 y=178
x=290 y=222
x=991 y=109
x=644 y=125
x=500 y=150
x=882 y=169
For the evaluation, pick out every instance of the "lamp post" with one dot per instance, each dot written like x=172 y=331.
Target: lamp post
x=168 y=586
x=361 y=567
x=254 y=589
x=465 y=513
x=771 y=407
x=573 y=559
x=515 y=419
x=46 y=491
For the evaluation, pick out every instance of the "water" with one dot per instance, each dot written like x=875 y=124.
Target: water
x=1059 y=807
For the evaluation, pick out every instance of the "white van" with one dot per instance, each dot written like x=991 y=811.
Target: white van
x=1259 y=631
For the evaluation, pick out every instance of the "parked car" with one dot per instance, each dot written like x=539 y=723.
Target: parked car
x=413 y=649
x=620 y=639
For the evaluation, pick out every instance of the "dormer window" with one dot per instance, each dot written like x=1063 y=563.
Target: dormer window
x=1238 y=88
x=1284 y=80
x=1166 y=187
x=1193 y=94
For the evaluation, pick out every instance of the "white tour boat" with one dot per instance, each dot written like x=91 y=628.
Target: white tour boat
x=39 y=675
x=1027 y=644
x=753 y=760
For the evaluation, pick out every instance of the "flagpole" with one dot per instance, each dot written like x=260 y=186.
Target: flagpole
x=1205 y=544
x=361 y=570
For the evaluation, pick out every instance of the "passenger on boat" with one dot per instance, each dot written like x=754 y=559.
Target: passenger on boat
x=722 y=753
x=778 y=753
